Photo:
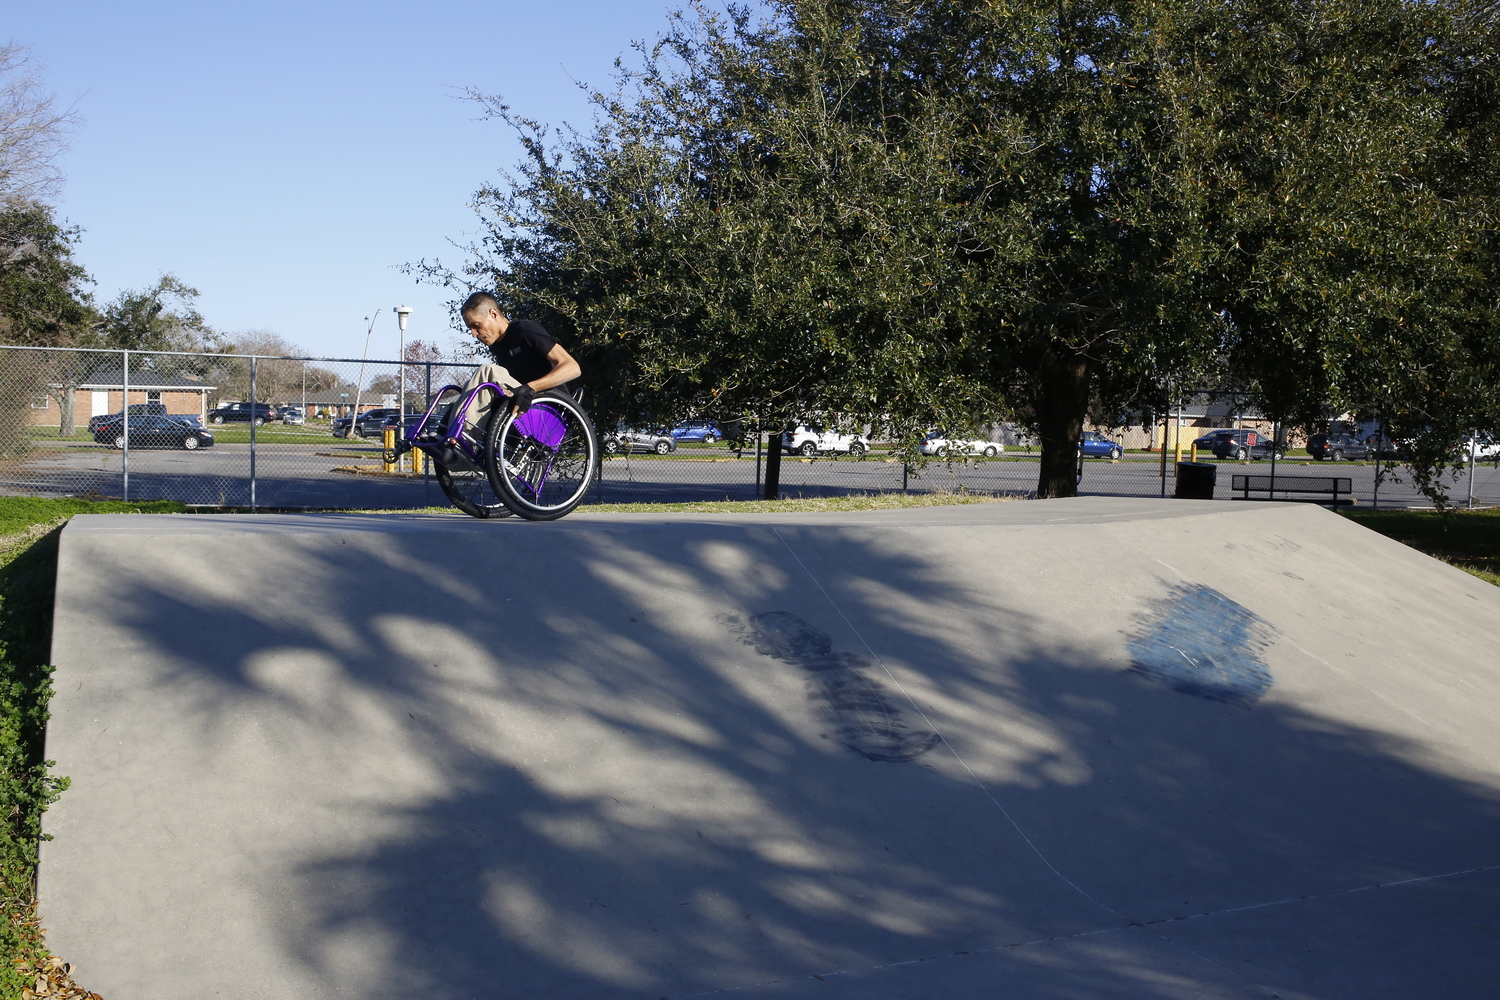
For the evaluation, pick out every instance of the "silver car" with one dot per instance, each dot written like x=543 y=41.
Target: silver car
x=625 y=440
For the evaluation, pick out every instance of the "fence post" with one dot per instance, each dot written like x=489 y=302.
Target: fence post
x=252 y=433
x=426 y=464
x=757 y=456
x=125 y=424
x=1165 y=423
x=1275 y=443
x=1473 y=447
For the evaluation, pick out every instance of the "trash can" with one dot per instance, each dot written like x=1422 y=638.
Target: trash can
x=1195 y=480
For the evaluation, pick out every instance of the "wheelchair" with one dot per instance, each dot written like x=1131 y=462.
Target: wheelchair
x=536 y=465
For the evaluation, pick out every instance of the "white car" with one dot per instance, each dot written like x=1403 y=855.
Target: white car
x=1482 y=447
x=938 y=443
x=808 y=442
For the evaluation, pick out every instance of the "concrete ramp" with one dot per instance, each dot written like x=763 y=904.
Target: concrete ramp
x=1085 y=749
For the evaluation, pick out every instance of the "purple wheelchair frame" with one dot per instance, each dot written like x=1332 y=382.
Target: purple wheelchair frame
x=459 y=451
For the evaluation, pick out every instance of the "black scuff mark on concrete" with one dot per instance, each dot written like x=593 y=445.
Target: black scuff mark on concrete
x=863 y=718
x=1201 y=643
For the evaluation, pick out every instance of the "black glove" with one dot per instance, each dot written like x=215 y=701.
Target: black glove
x=521 y=397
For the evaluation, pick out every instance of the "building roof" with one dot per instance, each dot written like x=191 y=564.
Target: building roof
x=145 y=380
x=339 y=395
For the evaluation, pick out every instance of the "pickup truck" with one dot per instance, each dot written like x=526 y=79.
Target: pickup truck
x=259 y=413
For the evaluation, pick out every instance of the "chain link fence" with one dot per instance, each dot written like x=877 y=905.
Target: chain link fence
x=138 y=425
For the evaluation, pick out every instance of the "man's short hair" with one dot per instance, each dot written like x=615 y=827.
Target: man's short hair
x=478 y=301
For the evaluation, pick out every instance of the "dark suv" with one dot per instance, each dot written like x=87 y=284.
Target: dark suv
x=259 y=413
x=1242 y=444
x=368 y=425
x=1337 y=447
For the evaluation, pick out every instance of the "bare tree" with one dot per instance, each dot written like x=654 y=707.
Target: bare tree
x=33 y=130
x=427 y=369
x=276 y=380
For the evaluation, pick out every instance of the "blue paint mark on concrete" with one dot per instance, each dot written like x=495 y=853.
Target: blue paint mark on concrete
x=1199 y=642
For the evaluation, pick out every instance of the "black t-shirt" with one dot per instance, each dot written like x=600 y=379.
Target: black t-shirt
x=523 y=350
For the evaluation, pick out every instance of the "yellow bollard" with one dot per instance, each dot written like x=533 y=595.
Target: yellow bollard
x=417 y=456
x=1194 y=456
x=389 y=440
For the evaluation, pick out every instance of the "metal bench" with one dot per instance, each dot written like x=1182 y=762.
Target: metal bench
x=1334 y=486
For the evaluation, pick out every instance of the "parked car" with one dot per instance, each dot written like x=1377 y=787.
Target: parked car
x=135 y=408
x=696 y=430
x=1337 y=447
x=1482 y=447
x=155 y=429
x=625 y=440
x=395 y=420
x=1242 y=444
x=291 y=415
x=368 y=425
x=1092 y=444
x=939 y=443
x=257 y=413
x=805 y=441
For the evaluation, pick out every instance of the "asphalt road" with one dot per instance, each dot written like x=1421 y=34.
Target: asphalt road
x=304 y=475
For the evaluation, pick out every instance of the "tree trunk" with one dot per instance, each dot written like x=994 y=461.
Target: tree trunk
x=1061 y=407
x=68 y=425
x=773 y=463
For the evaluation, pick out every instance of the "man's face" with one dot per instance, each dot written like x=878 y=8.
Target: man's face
x=485 y=324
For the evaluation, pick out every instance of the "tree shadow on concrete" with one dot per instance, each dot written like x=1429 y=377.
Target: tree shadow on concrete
x=598 y=788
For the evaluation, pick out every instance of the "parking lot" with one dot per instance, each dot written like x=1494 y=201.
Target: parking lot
x=308 y=467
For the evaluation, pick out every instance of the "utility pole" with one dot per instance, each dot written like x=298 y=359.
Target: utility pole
x=354 y=416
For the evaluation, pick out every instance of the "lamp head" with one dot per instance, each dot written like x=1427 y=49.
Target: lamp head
x=401 y=313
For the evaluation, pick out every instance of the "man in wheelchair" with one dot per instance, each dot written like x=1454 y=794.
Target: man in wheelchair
x=527 y=359
x=534 y=454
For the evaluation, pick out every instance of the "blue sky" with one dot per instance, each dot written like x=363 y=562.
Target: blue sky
x=285 y=158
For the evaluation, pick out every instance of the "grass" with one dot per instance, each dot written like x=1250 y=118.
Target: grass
x=1469 y=540
x=226 y=434
x=29 y=529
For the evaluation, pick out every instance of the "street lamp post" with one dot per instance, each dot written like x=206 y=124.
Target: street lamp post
x=402 y=312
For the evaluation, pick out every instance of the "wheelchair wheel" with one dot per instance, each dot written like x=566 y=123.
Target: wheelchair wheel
x=470 y=492
x=541 y=463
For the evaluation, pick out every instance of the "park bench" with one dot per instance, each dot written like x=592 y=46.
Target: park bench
x=1313 y=486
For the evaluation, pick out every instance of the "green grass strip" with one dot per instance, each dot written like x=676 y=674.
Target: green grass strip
x=29 y=530
x=1469 y=540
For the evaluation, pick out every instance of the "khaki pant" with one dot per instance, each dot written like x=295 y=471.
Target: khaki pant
x=479 y=413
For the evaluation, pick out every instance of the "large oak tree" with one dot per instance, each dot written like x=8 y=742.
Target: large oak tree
x=915 y=214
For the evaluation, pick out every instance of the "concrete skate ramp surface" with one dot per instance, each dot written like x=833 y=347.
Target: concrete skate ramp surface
x=1086 y=748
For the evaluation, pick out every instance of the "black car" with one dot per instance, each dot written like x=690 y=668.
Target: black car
x=135 y=409
x=411 y=420
x=1242 y=444
x=368 y=425
x=258 y=413
x=154 y=429
x=1337 y=447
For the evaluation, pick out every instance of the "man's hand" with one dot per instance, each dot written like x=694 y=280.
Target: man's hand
x=521 y=397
